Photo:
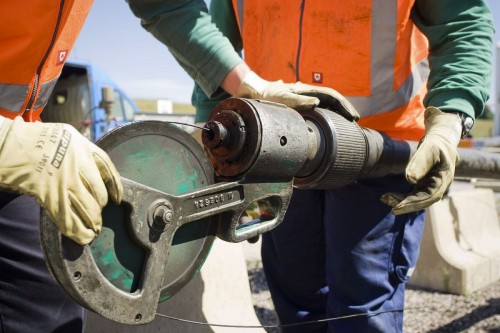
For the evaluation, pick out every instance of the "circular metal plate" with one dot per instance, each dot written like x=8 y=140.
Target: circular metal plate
x=163 y=157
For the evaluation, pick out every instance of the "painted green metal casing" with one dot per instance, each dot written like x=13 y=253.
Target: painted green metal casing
x=163 y=159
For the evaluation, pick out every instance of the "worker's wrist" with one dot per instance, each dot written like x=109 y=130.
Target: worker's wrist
x=443 y=124
x=467 y=122
x=234 y=78
x=252 y=86
x=255 y=82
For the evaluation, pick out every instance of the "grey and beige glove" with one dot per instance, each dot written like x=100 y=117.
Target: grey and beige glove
x=67 y=174
x=432 y=167
x=298 y=96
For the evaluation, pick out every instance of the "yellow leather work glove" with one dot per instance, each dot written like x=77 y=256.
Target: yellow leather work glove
x=298 y=96
x=432 y=167
x=69 y=176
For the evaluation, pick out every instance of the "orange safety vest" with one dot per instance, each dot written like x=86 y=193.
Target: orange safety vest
x=369 y=51
x=36 y=37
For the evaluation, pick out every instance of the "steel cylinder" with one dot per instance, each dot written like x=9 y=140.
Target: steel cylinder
x=262 y=141
x=352 y=152
x=257 y=140
x=344 y=154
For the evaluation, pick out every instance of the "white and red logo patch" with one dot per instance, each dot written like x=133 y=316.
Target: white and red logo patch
x=317 y=77
x=61 y=57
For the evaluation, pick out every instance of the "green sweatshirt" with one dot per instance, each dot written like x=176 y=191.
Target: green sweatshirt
x=187 y=30
x=460 y=34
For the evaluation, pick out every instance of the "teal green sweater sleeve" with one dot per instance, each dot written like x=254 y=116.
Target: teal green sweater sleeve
x=460 y=34
x=186 y=28
x=223 y=16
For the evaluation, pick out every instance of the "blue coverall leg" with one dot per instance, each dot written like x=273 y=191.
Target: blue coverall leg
x=30 y=299
x=368 y=256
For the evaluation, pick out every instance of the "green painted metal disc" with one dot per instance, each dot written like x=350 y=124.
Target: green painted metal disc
x=164 y=157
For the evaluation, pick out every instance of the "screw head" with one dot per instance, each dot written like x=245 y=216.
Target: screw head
x=161 y=217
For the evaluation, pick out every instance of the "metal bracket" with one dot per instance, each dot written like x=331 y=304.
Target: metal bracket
x=153 y=219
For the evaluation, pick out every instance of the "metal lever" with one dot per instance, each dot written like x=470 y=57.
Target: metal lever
x=152 y=219
x=227 y=201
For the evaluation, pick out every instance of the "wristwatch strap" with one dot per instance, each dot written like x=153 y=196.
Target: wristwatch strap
x=467 y=122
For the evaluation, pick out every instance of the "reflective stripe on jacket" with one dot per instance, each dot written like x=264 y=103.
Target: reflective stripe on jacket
x=36 y=38
x=369 y=51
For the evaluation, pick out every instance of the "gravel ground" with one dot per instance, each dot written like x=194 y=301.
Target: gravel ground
x=445 y=313
x=426 y=311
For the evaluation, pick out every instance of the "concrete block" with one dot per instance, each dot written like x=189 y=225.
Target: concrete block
x=227 y=298
x=220 y=294
x=460 y=248
x=251 y=252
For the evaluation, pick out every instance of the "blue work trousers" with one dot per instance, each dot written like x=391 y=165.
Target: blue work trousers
x=31 y=301
x=339 y=253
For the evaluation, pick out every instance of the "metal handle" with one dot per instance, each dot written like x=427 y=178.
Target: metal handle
x=152 y=219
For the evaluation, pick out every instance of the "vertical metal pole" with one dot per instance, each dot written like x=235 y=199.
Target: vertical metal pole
x=496 y=119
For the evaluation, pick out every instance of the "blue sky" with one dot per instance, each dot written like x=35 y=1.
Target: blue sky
x=113 y=39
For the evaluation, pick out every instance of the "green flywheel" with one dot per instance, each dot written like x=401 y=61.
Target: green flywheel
x=108 y=275
x=164 y=157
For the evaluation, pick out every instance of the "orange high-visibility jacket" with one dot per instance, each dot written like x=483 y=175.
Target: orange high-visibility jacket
x=368 y=50
x=36 y=37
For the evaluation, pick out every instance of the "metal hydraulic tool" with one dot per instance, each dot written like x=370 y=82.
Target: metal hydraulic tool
x=178 y=196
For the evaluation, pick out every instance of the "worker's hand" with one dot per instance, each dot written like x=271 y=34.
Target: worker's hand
x=298 y=96
x=68 y=175
x=328 y=99
x=432 y=167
